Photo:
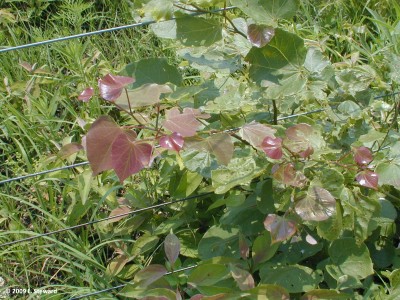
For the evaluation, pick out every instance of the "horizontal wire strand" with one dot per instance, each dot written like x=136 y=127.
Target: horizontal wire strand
x=86 y=34
x=125 y=284
x=104 y=219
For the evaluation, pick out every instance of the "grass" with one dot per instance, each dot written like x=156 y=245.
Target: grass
x=39 y=113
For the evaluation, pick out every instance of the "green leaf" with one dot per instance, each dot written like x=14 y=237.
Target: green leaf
x=207 y=274
x=295 y=278
x=331 y=228
x=265 y=196
x=186 y=185
x=351 y=259
x=315 y=62
x=324 y=295
x=197 y=31
x=149 y=275
x=267 y=11
x=350 y=109
x=269 y=292
x=200 y=162
x=144 y=244
x=282 y=57
x=172 y=247
x=389 y=173
x=84 y=185
x=242 y=277
x=263 y=248
x=152 y=70
x=218 y=241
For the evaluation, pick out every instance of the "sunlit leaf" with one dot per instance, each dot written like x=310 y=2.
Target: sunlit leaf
x=86 y=94
x=301 y=139
x=317 y=205
x=280 y=228
x=129 y=157
x=111 y=86
x=260 y=35
x=287 y=174
x=310 y=239
x=185 y=123
x=242 y=277
x=255 y=133
x=207 y=274
x=147 y=94
x=173 y=142
x=172 y=247
x=362 y=155
x=368 y=179
x=99 y=141
x=389 y=173
x=272 y=147
x=219 y=144
x=149 y=275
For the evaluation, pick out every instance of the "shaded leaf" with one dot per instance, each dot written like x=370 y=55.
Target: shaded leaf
x=287 y=174
x=69 y=149
x=218 y=241
x=255 y=133
x=324 y=295
x=272 y=147
x=219 y=144
x=184 y=123
x=244 y=248
x=111 y=86
x=149 y=275
x=129 y=157
x=86 y=94
x=116 y=265
x=280 y=228
x=173 y=141
x=99 y=141
x=362 y=155
x=194 y=31
x=243 y=278
x=172 y=247
x=368 y=179
x=260 y=35
x=121 y=210
x=263 y=248
x=317 y=205
x=147 y=94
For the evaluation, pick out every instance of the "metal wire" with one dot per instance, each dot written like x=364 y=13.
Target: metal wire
x=125 y=284
x=104 y=219
x=86 y=34
x=43 y=172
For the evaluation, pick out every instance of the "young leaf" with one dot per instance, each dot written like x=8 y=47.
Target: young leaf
x=184 y=123
x=111 y=86
x=172 y=247
x=219 y=144
x=119 y=211
x=86 y=94
x=260 y=35
x=287 y=174
x=299 y=139
x=173 y=142
x=280 y=228
x=272 y=147
x=129 y=157
x=317 y=205
x=149 y=275
x=368 y=179
x=362 y=156
x=255 y=133
x=243 y=278
x=99 y=141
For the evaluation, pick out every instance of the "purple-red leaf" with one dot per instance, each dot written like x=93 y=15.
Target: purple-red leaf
x=69 y=149
x=121 y=210
x=272 y=147
x=111 y=86
x=172 y=247
x=368 y=179
x=86 y=94
x=317 y=205
x=280 y=228
x=362 y=156
x=184 y=123
x=298 y=139
x=99 y=141
x=243 y=247
x=129 y=157
x=287 y=174
x=149 y=275
x=219 y=144
x=255 y=133
x=260 y=35
x=173 y=141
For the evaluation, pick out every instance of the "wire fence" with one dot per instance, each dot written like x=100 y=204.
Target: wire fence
x=157 y=206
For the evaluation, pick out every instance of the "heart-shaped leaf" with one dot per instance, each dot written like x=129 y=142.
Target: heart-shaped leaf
x=86 y=94
x=111 y=86
x=272 y=147
x=298 y=139
x=184 y=123
x=255 y=133
x=317 y=205
x=173 y=142
x=368 y=179
x=172 y=247
x=280 y=228
x=362 y=155
x=129 y=157
x=287 y=174
x=260 y=35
